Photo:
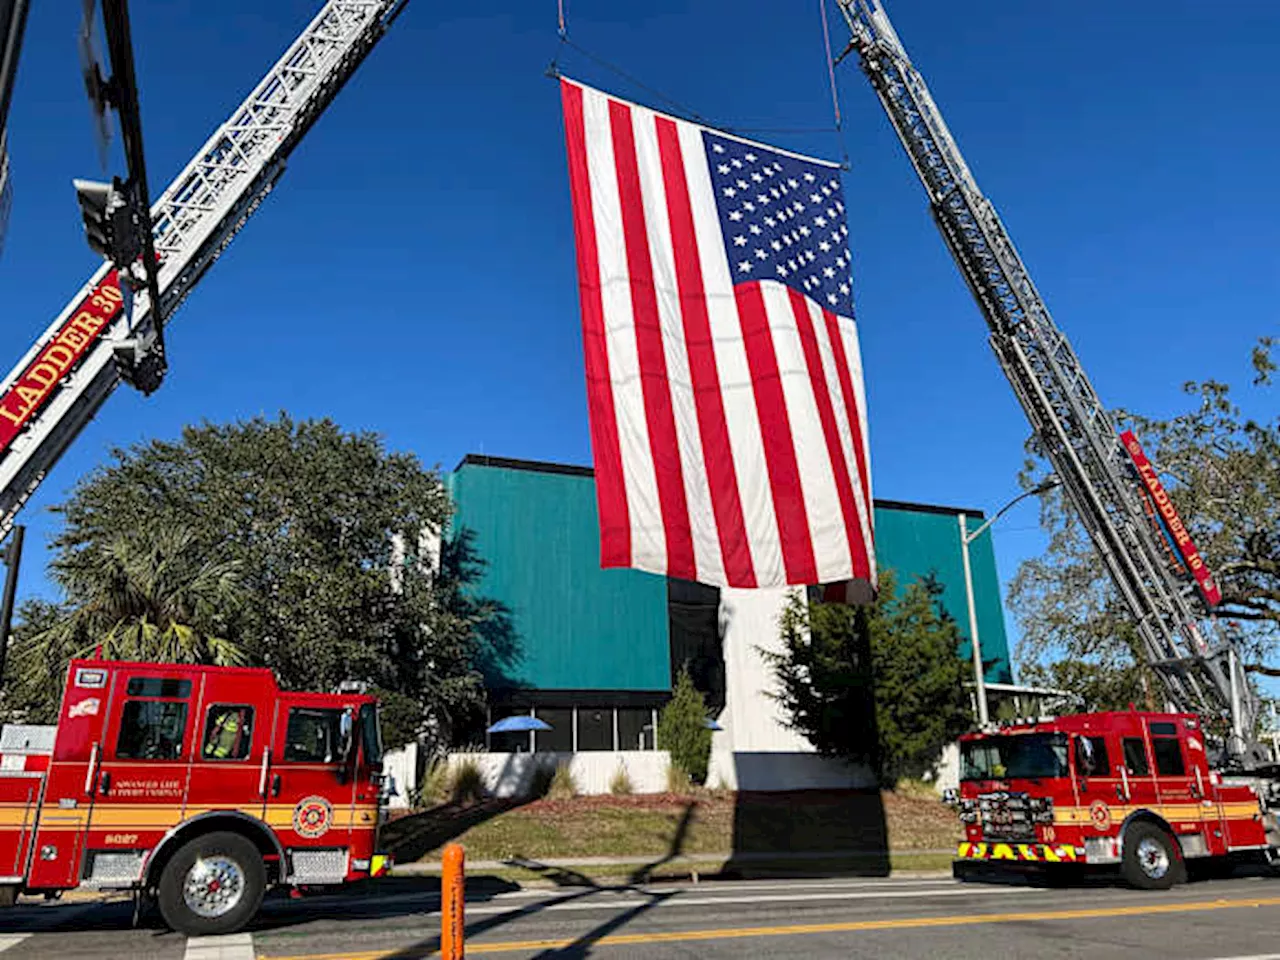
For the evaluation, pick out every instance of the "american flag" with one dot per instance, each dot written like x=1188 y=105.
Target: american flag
x=724 y=381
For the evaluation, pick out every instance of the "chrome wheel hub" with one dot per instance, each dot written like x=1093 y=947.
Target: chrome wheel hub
x=1153 y=858
x=213 y=886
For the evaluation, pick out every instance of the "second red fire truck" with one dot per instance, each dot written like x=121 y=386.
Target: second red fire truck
x=197 y=786
x=1129 y=789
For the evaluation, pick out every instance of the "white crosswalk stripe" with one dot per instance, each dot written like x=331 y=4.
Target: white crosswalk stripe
x=235 y=946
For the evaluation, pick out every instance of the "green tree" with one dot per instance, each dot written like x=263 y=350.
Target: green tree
x=683 y=731
x=306 y=513
x=1222 y=470
x=149 y=595
x=881 y=685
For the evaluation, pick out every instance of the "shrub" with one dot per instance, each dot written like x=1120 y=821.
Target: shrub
x=436 y=782
x=543 y=773
x=621 y=785
x=562 y=786
x=466 y=785
x=682 y=730
x=678 y=780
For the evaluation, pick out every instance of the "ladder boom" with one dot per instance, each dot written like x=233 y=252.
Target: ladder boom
x=1073 y=428
x=68 y=373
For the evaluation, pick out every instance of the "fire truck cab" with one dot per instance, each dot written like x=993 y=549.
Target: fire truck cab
x=1128 y=789
x=198 y=786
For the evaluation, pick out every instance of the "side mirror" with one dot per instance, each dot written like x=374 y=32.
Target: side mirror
x=345 y=726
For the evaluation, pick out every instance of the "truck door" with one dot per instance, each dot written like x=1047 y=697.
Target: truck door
x=1098 y=782
x=231 y=764
x=1179 y=788
x=1137 y=782
x=312 y=794
x=137 y=791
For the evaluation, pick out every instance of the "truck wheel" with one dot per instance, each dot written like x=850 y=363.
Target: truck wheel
x=213 y=885
x=1151 y=860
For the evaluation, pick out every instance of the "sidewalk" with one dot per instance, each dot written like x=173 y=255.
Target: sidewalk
x=690 y=859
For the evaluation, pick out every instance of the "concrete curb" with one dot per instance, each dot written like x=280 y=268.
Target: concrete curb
x=692 y=859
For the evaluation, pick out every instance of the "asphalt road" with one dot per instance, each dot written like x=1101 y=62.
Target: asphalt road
x=900 y=917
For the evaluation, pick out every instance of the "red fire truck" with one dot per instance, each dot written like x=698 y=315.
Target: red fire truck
x=196 y=786
x=1130 y=789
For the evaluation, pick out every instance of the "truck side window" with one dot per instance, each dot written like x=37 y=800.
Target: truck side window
x=228 y=732
x=313 y=735
x=1091 y=757
x=1168 y=757
x=151 y=730
x=1135 y=757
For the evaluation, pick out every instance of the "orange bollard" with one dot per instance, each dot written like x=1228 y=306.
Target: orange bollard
x=453 y=876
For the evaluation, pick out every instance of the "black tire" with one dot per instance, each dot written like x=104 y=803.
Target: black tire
x=1152 y=859
x=239 y=866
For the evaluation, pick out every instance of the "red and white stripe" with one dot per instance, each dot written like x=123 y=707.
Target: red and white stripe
x=728 y=425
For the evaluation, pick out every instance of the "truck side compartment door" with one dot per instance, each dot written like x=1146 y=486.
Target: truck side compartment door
x=56 y=851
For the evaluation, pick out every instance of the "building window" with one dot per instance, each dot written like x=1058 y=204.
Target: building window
x=559 y=739
x=595 y=728
x=635 y=728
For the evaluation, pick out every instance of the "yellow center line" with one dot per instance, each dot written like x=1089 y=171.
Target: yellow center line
x=729 y=933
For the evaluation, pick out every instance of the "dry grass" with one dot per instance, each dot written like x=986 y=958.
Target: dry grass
x=647 y=825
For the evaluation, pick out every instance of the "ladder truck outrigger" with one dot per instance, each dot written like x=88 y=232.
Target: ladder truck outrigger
x=197 y=786
x=1147 y=791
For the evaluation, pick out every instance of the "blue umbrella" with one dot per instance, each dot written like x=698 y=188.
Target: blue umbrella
x=519 y=724
x=711 y=724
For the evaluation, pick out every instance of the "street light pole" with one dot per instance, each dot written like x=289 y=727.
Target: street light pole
x=966 y=538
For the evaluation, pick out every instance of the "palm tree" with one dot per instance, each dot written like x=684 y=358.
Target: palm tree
x=148 y=596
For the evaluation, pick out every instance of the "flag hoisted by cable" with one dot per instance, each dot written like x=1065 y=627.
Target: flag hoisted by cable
x=724 y=378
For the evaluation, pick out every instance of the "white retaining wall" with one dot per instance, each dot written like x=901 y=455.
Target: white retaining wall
x=511 y=774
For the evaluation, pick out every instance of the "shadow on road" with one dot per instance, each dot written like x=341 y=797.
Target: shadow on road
x=409 y=839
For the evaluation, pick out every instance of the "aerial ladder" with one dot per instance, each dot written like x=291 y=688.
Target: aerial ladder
x=1198 y=662
x=69 y=372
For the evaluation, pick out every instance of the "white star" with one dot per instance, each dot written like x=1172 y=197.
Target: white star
x=769 y=221
x=828 y=272
x=820 y=221
x=840 y=206
x=798 y=207
x=844 y=229
x=764 y=198
x=792 y=265
x=804 y=231
x=739 y=241
x=782 y=271
x=729 y=192
x=734 y=215
x=717 y=148
x=831 y=213
x=742 y=184
x=787 y=239
x=840 y=262
x=761 y=255
x=827 y=191
x=815 y=197
x=723 y=167
x=751 y=157
x=755 y=229
x=824 y=246
x=736 y=162
x=834 y=183
x=776 y=192
x=749 y=207
x=768 y=171
x=809 y=178
x=835 y=235
x=776 y=244
x=844 y=288
x=831 y=298
x=745 y=266
x=815 y=280
x=757 y=177
x=793 y=181
x=809 y=255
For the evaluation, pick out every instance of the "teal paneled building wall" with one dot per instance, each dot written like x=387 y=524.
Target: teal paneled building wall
x=578 y=627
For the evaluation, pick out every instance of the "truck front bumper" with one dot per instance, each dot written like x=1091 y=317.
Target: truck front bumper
x=1020 y=852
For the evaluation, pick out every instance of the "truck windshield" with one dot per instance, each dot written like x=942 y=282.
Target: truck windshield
x=371 y=733
x=1024 y=755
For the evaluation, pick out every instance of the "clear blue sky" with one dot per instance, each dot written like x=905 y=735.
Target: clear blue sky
x=414 y=271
